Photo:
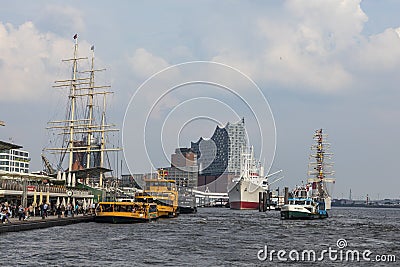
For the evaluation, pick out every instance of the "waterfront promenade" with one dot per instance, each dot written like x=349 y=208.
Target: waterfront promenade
x=37 y=222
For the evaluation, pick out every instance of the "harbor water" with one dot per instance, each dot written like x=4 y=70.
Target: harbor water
x=212 y=237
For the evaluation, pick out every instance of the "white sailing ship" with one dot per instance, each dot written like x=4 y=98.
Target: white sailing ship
x=314 y=199
x=320 y=169
x=84 y=131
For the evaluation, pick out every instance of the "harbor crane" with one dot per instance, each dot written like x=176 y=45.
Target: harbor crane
x=49 y=168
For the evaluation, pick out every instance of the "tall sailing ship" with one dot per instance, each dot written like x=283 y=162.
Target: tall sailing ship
x=81 y=154
x=314 y=199
x=320 y=169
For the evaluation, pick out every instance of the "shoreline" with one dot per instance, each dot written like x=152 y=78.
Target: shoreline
x=39 y=223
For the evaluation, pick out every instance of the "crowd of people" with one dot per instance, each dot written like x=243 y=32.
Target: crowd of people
x=12 y=210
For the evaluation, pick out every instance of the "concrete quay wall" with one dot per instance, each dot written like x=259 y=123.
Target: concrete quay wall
x=16 y=226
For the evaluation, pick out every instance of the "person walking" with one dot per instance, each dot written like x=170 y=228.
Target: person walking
x=2 y=215
x=21 y=213
x=30 y=211
x=59 y=211
x=63 y=210
x=42 y=211
x=45 y=209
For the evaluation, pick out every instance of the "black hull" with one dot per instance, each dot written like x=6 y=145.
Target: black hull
x=290 y=215
x=117 y=219
x=187 y=210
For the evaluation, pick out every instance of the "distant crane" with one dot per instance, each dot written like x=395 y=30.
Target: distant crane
x=48 y=168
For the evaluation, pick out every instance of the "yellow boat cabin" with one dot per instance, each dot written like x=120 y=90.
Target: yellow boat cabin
x=164 y=193
x=126 y=212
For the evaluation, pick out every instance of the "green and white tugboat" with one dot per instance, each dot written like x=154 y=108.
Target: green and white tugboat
x=313 y=200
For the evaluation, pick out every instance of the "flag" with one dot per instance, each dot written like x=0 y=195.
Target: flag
x=75 y=36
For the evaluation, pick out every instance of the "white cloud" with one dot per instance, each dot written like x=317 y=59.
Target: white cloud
x=144 y=64
x=24 y=57
x=307 y=47
x=331 y=23
x=30 y=61
x=380 y=53
x=63 y=18
x=317 y=46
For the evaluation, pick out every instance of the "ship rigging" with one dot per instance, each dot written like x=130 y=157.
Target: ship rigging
x=84 y=131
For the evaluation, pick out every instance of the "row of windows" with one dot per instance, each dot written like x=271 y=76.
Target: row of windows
x=21 y=159
x=16 y=164
x=15 y=152
x=20 y=153
x=3 y=168
x=14 y=158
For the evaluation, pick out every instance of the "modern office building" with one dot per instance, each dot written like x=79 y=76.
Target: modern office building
x=219 y=157
x=237 y=144
x=14 y=160
x=221 y=153
x=184 y=170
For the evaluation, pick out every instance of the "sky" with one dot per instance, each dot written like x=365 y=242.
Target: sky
x=179 y=68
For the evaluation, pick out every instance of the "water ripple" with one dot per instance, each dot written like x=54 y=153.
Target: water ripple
x=212 y=237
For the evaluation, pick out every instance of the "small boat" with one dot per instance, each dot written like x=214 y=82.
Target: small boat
x=186 y=201
x=303 y=207
x=126 y=212
x=314 y=199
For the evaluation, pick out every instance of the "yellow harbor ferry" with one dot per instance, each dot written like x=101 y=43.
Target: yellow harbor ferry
x=126 y=212
x=158 y=199
x=163 y=192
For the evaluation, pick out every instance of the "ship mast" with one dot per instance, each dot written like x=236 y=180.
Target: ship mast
x=82 y=132
x=73 y=102
x=90 y=107
x=103 y=141
x=68 y=126
x=320 y=171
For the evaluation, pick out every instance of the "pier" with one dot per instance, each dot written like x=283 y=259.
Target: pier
x=39 y=223
x=210 y=199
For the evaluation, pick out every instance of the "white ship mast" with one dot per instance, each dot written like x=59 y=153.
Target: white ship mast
x=81 y=131
x=249 y=167
x=320 y=171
